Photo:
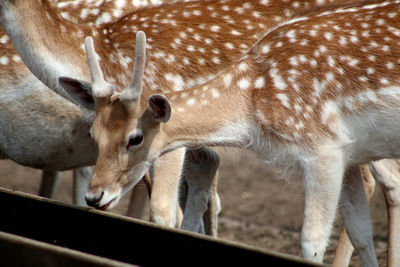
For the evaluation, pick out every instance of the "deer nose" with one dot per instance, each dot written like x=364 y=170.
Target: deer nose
x=93 y=200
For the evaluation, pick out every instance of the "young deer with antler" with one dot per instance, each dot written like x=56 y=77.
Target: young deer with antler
x=67 y=143
x=64 y=142
x=316 y=96
x=66 y=135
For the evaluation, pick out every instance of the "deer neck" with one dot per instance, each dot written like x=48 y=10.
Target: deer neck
x=49 y=45
x=205 y=115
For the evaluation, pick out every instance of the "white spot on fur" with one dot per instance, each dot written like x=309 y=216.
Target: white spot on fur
x=390 y=65
x=331 y=61
x=16 y=58
x=215 y=28
x=293 y=61
x=4 y=39
x=384 y=81
x=229 y=46
x=190 y=48
x=103 y=18
x=243 y=66
x=235 y=32
x=328 y=36
x=342 y=40
x=243 y=84
x=259 y=83
x=186 y=61
x=191 y=102
x=239 y=10
x=216 y=60
x=4 y=60
x=214 y=93
x=370 y=70
x=160 y=54
x=363 y=79
x=313 y=33
x=277 y=79
x=227 y=79
x=329 y=109
x=177 y=80
x=265 y=49
x=284 y=100
x=201 y=61
x=256 y=14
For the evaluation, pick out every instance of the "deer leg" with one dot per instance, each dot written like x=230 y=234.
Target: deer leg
x=200 y=170
x=48 y=184
x=355 y=211
x=387 y=173
x=344 y=249
x=322 y=180
x=81 y=184
x=139 y=199
x=210 y=217
x=166 y=173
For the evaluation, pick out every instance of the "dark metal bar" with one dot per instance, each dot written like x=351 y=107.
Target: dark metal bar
x=124 y=239
x=16 y=251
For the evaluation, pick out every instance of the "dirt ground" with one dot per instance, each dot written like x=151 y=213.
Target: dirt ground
x=256 y=208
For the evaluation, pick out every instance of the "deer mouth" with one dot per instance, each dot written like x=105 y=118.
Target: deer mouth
x=107 y=205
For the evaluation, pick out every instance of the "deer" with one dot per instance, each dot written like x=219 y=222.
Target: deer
x=312 y=98
x=25 y=150
x=86 y=12
x=177 y=81
x=29 y=150
x=68 y=143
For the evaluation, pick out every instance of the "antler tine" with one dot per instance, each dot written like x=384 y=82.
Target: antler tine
x=100 y=87
x=95 y=71
x=134 y=90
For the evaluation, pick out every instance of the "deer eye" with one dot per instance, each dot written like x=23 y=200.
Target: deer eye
x=135 y=139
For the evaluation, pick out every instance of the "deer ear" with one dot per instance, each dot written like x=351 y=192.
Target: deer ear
x=79 y=90
x=159 y=107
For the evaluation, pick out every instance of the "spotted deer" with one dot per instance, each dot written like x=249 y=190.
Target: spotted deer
x=115 y=37
x=171 y=25
x=164 y=219
x=97 y=14
x=316 y=97
x=68 y=143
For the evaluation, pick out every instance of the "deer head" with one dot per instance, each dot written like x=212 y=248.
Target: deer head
x=117 y=129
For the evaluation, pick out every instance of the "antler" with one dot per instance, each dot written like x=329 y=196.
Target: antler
x=100 y=88
x=133 y=92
